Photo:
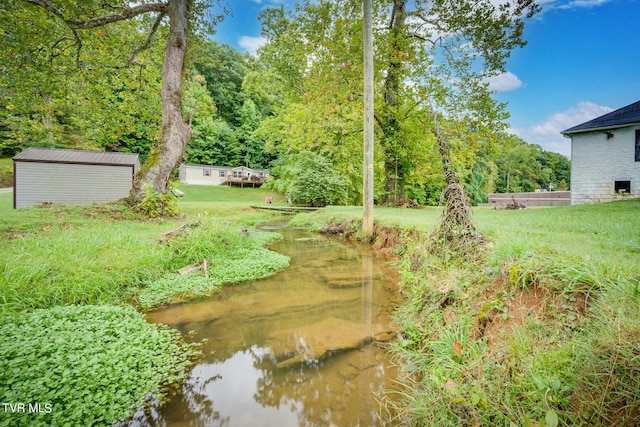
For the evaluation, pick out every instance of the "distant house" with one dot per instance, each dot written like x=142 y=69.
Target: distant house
x=50 y=175
x=605 y=157
x=221 y=175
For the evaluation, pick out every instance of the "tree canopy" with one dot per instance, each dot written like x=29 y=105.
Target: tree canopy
x=90 y=75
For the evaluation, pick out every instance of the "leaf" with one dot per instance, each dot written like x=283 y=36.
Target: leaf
x=551 y=418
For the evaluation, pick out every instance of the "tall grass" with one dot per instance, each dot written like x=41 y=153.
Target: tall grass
x=99 y=265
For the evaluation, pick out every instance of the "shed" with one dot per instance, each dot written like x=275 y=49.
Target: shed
x=605 y=157
x=51 y=175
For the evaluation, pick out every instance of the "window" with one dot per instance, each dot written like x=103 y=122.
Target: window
x=622 y=187
x=237 y=174
x=222 y=174
x=206 y=172
x=638 y=146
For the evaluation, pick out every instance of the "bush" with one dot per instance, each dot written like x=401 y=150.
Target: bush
x=317 y=183
x=154 y=204
x=6 y=176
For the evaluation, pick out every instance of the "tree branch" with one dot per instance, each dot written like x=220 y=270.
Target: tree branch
x=147 y=43
x=127 y=13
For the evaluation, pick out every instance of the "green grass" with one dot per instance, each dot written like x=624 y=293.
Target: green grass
x=225 y=200
x=608 y=233
x=543 y=325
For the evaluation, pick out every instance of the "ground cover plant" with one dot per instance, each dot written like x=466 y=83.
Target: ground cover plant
x=71 y=341
x=84 y=365
x=232 y=256
x=541 y=329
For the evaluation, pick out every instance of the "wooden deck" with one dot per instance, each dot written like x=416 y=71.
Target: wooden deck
x=242 y=182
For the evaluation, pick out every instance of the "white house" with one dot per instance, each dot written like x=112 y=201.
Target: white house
x=50 y=175
x=605 y=157
x=221 y=175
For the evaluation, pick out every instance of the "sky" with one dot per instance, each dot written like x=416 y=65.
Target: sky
x=582 y=60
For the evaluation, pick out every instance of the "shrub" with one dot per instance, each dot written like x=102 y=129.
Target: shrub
x=317 y=183
x=154 y=204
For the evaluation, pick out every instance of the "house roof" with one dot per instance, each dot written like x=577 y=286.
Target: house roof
x=625 y=116
x=56 y=155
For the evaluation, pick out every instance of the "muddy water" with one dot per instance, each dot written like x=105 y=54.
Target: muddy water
x=295 y=349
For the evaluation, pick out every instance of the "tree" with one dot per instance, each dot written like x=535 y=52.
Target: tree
x=253 y=147
x=175 y=130
x=431 y=57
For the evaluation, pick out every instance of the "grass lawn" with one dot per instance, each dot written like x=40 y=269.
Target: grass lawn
x=608 y=233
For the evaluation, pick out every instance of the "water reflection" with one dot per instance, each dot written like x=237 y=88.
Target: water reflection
x=297 y=349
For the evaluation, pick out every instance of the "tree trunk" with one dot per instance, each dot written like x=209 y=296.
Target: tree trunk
x=175 y=132
x=394 y=173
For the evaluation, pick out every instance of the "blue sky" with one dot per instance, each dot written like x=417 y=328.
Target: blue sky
x=582 y=60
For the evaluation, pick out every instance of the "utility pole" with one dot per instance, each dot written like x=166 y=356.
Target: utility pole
x=367 y=217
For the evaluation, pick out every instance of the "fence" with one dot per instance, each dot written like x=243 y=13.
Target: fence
x=541 y=198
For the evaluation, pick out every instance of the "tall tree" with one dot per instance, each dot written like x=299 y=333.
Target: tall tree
x=175 y=130
x=431 y=57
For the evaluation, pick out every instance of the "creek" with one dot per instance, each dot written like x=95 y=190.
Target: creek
x=305 y=347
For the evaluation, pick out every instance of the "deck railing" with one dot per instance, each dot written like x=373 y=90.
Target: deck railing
x=242 y=181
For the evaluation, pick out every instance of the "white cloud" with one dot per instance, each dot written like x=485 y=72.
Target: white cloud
x=251 y=44
x=580 y=3
x=268 y=1
x=547 y=134
x=504 y=82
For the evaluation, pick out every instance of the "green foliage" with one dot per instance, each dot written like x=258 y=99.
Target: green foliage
x=102 y=254
x=56 y=92
x=232 y=256
x=214 y=142
x=525 y=167
x=154 y=204
x=322 y=108
x=86 y=365
x=6 y=173
x=94 y=263
x=308 y=179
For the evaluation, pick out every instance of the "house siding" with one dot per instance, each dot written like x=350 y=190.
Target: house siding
x=37 y=183
x=597 y=162
x=194 y=174
x=190 y=174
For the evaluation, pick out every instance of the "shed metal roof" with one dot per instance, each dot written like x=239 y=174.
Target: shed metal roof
x=56 y=155
x=625 y=116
